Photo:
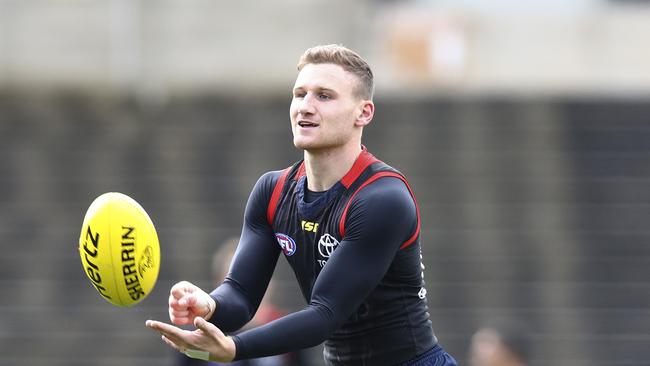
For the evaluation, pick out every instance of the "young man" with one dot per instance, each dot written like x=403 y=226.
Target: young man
x=348 y=225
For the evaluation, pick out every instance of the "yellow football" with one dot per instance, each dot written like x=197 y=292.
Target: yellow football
x=119 y=249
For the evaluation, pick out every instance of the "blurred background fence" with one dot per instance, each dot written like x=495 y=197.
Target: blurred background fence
x=524 y=131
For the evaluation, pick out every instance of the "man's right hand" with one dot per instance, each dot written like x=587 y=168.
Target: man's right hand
x=187 y=301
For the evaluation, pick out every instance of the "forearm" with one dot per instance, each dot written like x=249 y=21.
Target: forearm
x=306 y=328
x=233 y=309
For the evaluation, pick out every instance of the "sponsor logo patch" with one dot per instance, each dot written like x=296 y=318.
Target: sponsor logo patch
x=326 y=246
x=287 y=244
x=309 y=226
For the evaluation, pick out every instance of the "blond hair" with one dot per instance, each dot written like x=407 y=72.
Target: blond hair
x=349 y=60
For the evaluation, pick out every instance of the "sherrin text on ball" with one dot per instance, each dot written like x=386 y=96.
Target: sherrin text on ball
x=119 y=249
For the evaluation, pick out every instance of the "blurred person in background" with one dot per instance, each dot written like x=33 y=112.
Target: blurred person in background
x=500 y=345
x=349 y=226
x=267 y=312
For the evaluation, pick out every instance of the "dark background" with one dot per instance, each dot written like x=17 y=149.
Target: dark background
x=534 y=210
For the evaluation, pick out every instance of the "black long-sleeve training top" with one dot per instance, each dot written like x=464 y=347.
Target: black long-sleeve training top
x=356 y=254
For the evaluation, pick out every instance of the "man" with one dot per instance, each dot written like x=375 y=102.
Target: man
x=347 y=224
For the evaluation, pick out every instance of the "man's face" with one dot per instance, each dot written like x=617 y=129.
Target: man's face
x=324 y=109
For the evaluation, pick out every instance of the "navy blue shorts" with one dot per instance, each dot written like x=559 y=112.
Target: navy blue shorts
x=436 y=356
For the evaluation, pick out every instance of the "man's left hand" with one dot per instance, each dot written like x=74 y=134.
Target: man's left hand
x=207 y=337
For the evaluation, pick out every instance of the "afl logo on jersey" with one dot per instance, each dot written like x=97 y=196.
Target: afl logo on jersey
x=287 y=244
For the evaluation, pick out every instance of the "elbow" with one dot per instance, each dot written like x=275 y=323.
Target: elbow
x=232 y=318
x=328 y=319
x=234 y=310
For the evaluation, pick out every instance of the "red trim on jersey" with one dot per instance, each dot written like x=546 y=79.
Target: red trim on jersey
x=300 y=172
x=417 y=212
x=363 y=161
x=275 y=196
x=370 y=180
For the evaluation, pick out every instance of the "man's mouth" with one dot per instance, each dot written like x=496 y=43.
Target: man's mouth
x=307 y=124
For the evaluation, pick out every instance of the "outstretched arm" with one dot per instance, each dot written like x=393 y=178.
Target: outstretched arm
x=231 y=305
x=239 y=296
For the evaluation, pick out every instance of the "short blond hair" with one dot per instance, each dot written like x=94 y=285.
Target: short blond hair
x=349 y=60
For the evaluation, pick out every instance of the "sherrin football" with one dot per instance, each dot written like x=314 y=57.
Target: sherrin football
x=119 y=249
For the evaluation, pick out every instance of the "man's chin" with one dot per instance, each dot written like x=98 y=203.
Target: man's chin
x=315 y=146
x=305 y=145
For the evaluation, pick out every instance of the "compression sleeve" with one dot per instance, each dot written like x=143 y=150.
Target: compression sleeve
x=239 y=296
x=381 y=217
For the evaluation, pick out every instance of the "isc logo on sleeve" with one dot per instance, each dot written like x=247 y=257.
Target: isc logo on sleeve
x=309 y=226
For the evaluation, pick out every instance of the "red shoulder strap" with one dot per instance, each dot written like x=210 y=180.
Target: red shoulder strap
x=364 y=160
x=275 y=196
x=370 y=180
x=300 y=172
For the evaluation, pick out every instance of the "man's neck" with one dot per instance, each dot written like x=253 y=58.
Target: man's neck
x=326 y=167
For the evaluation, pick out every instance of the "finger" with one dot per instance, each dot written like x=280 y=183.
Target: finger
x=176 y=292
x=166 y=329
x=153 y=324
x=202 y=324
x=178 y=320
x=181 y=321
x=177 y=340
x=173 y=302
x=180 y=314
x=207 y=327
x=188 y=301
x=181 y=289
x=171 y=343
x=174 y=340
x=175 y=305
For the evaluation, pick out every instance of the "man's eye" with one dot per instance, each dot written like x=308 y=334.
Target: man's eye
x=299 y=95
x=324 y=96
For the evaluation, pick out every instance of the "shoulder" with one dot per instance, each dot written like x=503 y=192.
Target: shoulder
x=268 y=180
x=388 y=194
x=390 y=187
x=384 y=206
x=261 y=196
x=263 y=189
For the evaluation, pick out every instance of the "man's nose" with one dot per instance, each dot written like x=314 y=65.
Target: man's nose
x=307 y=104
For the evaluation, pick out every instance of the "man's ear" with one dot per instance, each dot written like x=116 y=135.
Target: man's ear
x=365 y=113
